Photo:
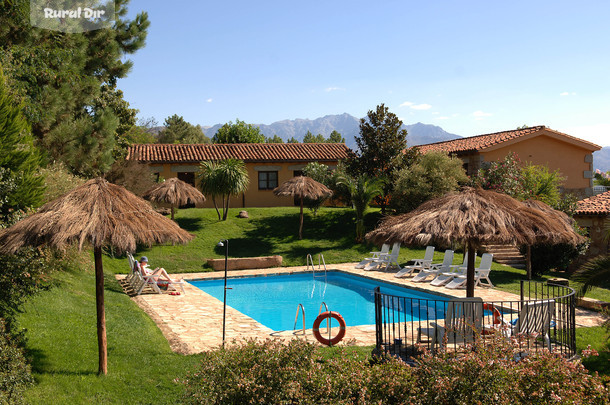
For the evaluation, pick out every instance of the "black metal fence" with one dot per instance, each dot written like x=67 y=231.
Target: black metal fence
x=543 y=319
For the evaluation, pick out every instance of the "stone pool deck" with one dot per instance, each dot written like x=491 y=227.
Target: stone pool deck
x=192 y=322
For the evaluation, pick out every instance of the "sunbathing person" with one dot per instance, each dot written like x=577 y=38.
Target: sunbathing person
x=158 y=274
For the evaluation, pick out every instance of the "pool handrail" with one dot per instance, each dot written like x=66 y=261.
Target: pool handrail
x=296 y=318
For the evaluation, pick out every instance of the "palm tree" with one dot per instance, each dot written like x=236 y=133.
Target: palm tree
x=224 y=178
x=596 y=271
x=362 y=191
x=209 y=181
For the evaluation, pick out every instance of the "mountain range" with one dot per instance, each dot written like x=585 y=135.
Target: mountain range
x=347 y=125
x=601 y=159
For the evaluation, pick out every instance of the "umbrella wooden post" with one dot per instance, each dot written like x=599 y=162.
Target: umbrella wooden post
x=172 y=210
x=301 y=224
x=470 y=271
x=101 y=317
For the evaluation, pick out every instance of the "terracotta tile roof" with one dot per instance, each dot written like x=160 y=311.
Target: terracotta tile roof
x=481 y=142
x=596 y=205
x=248 y=152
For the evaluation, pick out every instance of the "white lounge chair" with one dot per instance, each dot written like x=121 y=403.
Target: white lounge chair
x=463 y=320
x=481 y=274
x=535 y=319
x=387 y=259
x=385 y=249
x=454 y=271
x=418 y=263
x=436 y=268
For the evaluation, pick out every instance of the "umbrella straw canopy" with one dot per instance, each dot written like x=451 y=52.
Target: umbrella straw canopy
x=174 y=192
x=97 y=213
x=302 y=187
x=473 y=217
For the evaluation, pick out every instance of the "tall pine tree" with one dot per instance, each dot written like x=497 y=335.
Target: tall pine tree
x=20 y=186
x=65 y=81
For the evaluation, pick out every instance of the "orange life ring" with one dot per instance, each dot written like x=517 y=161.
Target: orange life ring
x=316 y=328
x=496 y=313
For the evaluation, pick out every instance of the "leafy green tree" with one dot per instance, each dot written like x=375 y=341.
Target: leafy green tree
x=177 y=130
x=362 y=191
x=143 y=132
x=292 y=140
x=380 y=142
x=240 y=132
x=111 y=99
x=274 y=139
x=602 y=179
x=67 y=82
x=541 y=184
x=335 y=137
x=311 y=138
x=85 y=144
x=431 y=175
x=223 y=179
x=19 y=159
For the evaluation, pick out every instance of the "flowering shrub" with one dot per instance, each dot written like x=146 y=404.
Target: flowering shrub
x=274 y=373
x=504 y=176
x=295 y=373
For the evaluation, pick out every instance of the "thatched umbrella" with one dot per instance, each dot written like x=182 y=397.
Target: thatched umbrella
x=99 y=213
x=474 y=217
x=302 y=187
x=174 y=192
x=567 y=222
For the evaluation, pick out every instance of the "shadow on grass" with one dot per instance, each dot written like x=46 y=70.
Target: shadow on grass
x=245 y=247
x=41 y=365
x=333 y=225
x=190 y=224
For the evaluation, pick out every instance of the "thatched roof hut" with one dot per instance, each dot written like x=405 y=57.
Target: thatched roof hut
x=174 y=192
x=302 y=187
x=97 y=213
x=473 y=217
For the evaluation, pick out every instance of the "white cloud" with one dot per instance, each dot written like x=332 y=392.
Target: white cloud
x=209 y=100
x=416 y=106
x=435 y=113
x=480 y=114
x=567 y=93
x=442 y=118
x=329 y=89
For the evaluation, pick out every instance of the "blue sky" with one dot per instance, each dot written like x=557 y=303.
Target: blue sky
x=470 y=67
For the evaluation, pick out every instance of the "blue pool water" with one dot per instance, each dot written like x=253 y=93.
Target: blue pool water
x=273 y=300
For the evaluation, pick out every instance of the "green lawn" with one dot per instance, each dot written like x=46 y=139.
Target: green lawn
x=62 y=345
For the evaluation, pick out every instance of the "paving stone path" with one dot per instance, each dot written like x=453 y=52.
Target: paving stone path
x=192 y=322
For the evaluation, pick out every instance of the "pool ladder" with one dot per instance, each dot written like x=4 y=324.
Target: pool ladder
x=321 y=263
x=301 y=310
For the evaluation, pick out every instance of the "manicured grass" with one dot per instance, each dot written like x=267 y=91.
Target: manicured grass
x=62 y=345
x=597 y=337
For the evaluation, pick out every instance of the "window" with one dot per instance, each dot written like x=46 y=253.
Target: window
x=267 y=180
x=187 y=177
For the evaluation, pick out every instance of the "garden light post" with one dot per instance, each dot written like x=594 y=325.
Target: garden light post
x=224 y=243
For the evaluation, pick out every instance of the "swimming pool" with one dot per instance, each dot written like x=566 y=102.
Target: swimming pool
x=273 y=300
